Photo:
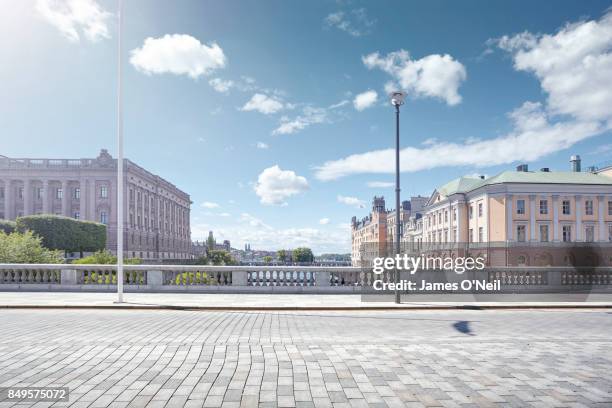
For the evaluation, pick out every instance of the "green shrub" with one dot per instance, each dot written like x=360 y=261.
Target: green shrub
x=64 y=233
x=104 y=257
x=26 y=248
x=8 y=226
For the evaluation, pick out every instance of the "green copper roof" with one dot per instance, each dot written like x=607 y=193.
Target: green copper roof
x=466 y=184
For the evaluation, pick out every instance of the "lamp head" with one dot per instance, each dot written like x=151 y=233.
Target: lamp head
x=397 y=98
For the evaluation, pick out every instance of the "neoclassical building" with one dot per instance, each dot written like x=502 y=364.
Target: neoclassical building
x=156 y=213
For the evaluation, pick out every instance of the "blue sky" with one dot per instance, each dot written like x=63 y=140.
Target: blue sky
x=273 y=115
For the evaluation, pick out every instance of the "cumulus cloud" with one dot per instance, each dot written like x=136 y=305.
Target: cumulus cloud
x=365 y=100
x=178 y=54
x=355 y=22
x=352 y=201
x=74 y=18
x=437 y=76
x=210 y=204
x=262 y=145
x=324 y=221
x=221 y=85
x=574 y=67
x=263 y=104
x=310 y=116
x=275 y=185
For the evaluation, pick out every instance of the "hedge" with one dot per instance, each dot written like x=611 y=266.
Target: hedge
x=64 y=233
x=8 y=226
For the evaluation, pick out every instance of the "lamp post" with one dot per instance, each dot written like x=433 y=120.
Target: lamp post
x=397 y=99
x=120 y=183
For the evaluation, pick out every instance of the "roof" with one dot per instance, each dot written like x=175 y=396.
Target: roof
x=467 y=184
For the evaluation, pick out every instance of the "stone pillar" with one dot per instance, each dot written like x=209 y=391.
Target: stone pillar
x=45 y=197
x=532 y=217
x=69 y=277
x=27 y=197
x=83 y=199
x=555 y=206
x=91 y=193
x=155 y=279
x=578 y=218
x=601 y=208
x=8 y=198
x=509 y=217
x=322 y=279
x=65 y=198
x=239 y=278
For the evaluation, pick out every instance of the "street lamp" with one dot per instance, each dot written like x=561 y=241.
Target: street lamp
x=119 y=159
x=397 y=100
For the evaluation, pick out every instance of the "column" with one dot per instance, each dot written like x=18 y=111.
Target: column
x=8 y=198
x=91 y=193
x=509 y=215
x=578 y=218
x=532 y=213
x=27 y=197
x=65 y=196
x=555 y=206
x=601 y=208
x=83 y=199
x=45 y=197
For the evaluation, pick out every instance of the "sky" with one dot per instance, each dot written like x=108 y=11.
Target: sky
x=274 y=115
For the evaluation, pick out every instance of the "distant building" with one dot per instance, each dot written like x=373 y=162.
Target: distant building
x=157 y=213
x=211 y=244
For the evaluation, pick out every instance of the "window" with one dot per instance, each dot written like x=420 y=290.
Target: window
x=566 y=207
x=480 y=234
x=480 y=209
x=59 y=193
x=104 y=192
x=471 y=211
x=1 y=192
x=104 y=217
x=567 y=233
x=589 y=233
x=543 y=207
x=20 y=193
x=439 y=218
x=39 y=193
x=609 y=207
x=544 y=233
x=471 y=236
x=77 y=215
x=588 y=207
x=610 y=232
x=520 y=233
x=520 y=206
x=77 y=193
x=454 y=215
x=445 y=216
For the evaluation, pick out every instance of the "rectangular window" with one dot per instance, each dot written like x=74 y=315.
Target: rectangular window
x=454 y=215
x=609 y=207
x=480 y=209
x=59 y=193
x=567 y=233
x=480 y=234
x=1 y=192
x=20 y=193
x=543 y=233
x=77 y=215
x=566 y=207
x=104 y=192
x=543 y=207
x=39 y=193
x=439 y=218
x=589 y=233
x=445 y=216
x=588 y=207
x=77 y=193
x=520 y=206
x=610 y=233
x=520 y=233
x=471 y=236
x=471 y=211
x=104 y=217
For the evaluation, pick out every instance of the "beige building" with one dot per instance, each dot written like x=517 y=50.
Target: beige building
x=157 y=213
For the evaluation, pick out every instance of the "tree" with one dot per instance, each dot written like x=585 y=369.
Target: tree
x=267 y=259
x=104 y=257
x=8 y=226
x=303 y=255
x=26 y=248
x=217 y=257
x=64 y=233
x=281 y=254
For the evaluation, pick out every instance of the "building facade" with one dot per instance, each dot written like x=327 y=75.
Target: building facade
x=156 y=213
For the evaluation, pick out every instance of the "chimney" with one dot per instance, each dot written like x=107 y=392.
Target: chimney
x=545 y=170
x=575 y=160
x=522 y=168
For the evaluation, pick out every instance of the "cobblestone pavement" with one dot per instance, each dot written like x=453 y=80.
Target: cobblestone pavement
x=140 y=358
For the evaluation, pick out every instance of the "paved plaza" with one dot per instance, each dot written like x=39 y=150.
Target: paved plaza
x=166 y=358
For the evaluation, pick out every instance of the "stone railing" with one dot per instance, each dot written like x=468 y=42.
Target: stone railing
x=287 y=279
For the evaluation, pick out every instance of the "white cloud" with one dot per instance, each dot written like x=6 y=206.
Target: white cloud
x=355 y=22
x=437 y=76
x=264 y=104
x=574 y=67
x=380 y=184
x=324 y=221
x=221 y=85
x=309 y=116
x=339 y=104
x=275 y=185
x=365 y=99
x=178 y=54
x=224 y=214
x=210 y=204
x=352 y=201
x=262 y=145
x=253 y=221
x=72 y=17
